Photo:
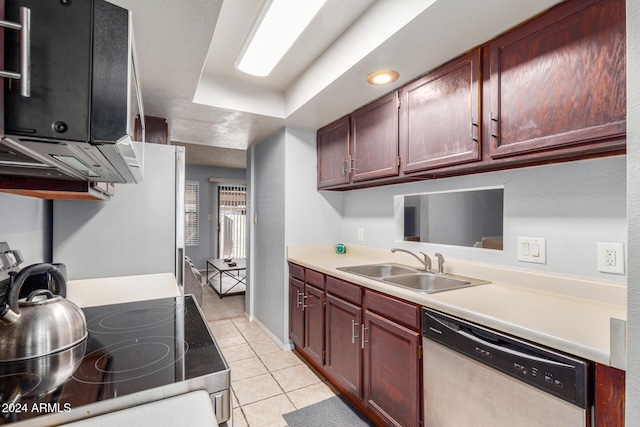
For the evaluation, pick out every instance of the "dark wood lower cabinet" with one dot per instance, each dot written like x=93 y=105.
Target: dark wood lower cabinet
x=366 y=343
x=609 y=397
x=392 y=371
x=369 y=346
x=314 y=323
x=344 y=360
x=296 y=315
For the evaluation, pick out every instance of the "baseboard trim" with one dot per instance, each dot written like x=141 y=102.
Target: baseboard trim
x=284 y=347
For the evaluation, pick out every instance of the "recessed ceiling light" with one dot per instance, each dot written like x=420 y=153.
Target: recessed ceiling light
x=382 y=77
x=278 y=26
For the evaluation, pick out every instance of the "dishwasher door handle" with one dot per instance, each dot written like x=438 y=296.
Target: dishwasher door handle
x=512 y=352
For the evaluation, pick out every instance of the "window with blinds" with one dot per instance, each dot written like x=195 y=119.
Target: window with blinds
x=232 y=214
x=191 y=234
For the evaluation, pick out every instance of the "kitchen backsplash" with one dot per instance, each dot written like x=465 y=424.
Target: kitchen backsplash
x=572 y=205
x=25 y=223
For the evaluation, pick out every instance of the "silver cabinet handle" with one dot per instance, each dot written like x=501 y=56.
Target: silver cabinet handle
x=25 y=51
x=304 y=297
x=363 y=340
x=471 y=138
x=347 y=165
x=354 y=325
x=491 y=120
x=298 y=302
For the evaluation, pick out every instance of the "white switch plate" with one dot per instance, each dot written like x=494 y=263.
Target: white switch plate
x=532 y=249
x=360 y=234
x=611 y=257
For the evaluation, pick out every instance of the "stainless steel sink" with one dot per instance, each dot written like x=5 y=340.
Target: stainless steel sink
x=378 y=271
x=432 y=283
x=412 y=278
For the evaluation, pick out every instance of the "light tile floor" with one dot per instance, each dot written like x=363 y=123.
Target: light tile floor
x=266 y=382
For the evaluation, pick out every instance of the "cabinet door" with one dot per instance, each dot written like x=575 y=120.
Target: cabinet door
x=374 y=133
x=560 y=80
x=333 y=154
x=2 y=30
x=609 y=396
x=439 y=117
x=314 y=323
x=344 y=358
x=296 y=315
x=391 y=371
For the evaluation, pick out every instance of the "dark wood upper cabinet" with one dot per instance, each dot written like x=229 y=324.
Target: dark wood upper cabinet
x=439 y=116
x=553 y=89
x=559 y=80
x=374 y=144
x=156 y=130
x=333 y=154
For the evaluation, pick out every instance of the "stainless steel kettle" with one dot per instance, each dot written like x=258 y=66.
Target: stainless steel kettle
x=41 y=324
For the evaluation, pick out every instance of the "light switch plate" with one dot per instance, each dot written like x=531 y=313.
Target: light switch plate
x=360 y=234
x=532 y=249
x=611 y=257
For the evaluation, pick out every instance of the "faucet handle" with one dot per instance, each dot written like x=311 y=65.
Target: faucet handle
x=427 y=262
x=440 y=262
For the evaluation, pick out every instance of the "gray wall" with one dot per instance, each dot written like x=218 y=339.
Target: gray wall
x=290 y=211
x=267 y=234
x=207 y=248
x=311 y=217
x=133 y=233
x=573 y=205
x=25 y=223
x=633 y=209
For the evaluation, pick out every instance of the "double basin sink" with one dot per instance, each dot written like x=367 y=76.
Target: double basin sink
x=423 y=281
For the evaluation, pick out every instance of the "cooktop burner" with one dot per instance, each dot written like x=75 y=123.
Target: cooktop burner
x=131 y=348
x=134 y=319
x=137 y=358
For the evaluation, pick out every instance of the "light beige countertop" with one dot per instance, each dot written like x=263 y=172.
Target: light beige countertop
x=113 y=290
x=573 y=315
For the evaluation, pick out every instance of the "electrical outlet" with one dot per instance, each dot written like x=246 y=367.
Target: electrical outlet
x=360 y=234
x=532 y=249
x=611 y=257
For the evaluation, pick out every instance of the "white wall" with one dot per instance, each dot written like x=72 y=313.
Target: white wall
x=25 y=224
x=573 y=205
x=633 y=209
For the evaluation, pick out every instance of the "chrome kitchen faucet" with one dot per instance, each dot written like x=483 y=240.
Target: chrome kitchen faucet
x=426 y=262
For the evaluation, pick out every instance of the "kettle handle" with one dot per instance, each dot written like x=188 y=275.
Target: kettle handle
x=18 y=280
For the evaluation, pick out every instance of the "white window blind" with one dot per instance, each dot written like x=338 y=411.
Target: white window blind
x=232 y=207
x=191 y=234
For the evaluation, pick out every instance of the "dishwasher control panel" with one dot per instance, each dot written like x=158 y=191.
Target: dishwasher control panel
x=561 y=375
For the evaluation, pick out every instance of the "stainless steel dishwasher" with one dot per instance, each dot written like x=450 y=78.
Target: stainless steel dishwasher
x=476 y=377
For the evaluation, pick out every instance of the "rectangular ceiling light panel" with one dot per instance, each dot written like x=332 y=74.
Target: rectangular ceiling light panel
x=279 y=25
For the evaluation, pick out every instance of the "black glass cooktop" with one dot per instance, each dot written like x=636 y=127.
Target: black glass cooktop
x=131 y=348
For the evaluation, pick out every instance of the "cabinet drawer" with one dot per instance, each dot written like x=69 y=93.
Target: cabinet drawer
x=314 y=278
x=296 y=271
x=402 y=312
x=344 y=290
